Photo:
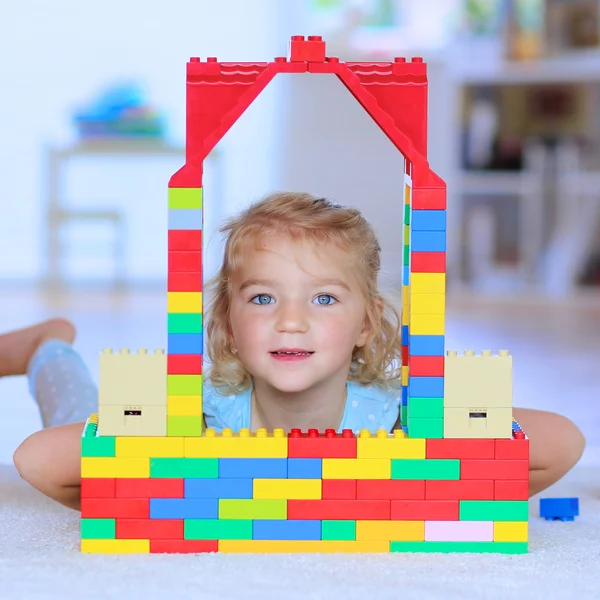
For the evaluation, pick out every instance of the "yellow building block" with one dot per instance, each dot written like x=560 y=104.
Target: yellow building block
x=184 y=302
x=383 y=445
x=404 y=371
x=184 y=406
x=150 y=447
x=300 y=546
x=92 y=466
x=390 y=531
x=357 y=468
x=407 y=193
x=427 y=324
x=510 y=531
x=428 y=283
x=239 y=445
x=128 y=420
x=115 y=546
x=478 y=422
x=288 y=489
x=406 y=234
x=405 y=317
x=133 y=379
x=405 y=296
x=427 y=304
x=476 y=380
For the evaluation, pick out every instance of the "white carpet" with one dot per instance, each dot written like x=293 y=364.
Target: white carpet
x=39 y=558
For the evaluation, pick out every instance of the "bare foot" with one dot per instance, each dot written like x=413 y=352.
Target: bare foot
x=17 y=347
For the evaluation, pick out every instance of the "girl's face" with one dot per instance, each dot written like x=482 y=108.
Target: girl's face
x=296 y=313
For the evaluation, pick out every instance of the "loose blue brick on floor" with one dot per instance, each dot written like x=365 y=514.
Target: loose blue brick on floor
x=218 y=488
x=428 y=241
x=426 y=387
x=286 y=530
x=428 y=220
x=254 y=468
x=304 y=468
x=183 y=508
x=426 y=345
x=185 y=343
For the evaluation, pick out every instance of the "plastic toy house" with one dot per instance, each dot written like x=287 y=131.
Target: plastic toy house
x=455 y=478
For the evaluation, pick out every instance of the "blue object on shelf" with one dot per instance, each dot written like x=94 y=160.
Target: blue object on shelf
x=559 y=509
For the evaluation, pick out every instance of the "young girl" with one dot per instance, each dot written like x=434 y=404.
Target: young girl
x=298 y=335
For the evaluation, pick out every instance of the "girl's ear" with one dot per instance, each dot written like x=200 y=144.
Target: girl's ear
x=368 y=323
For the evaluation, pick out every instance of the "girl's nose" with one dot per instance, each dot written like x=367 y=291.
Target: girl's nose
x=291 y=318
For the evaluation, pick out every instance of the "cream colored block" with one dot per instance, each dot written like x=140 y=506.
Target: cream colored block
x=478 y=380
x=427 y=304
x=428 y=283
x=125 y=420
x=510 y=531
x=184 y=302
x=184 y=406
x=463 y=422
x=287 y=489
x=107 y=467
x=426 y=324
x=150 y=447
x=133 y=379
x=382 y=445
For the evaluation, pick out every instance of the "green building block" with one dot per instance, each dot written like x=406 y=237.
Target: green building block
x=185 y=198
x=198 y=468
x=404 y=415
x=184 y=323
x=98 y=446
x=406 y=256
x=217 y=529
x=338 y=530
x=425 y=408
x=98 y=529
x=184 y=385
x=426 y=468
x=478 y=547
x=494 y=510
x=407 y=214
x=184 y=426
x=253 y=509
x=425 y=428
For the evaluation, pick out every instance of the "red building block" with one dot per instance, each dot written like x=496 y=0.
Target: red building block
x=185 y=239
x=148 y=529
x=459 y=448
x=425 y=510
x=512 y=449
x=183 y=546
x=115 y=508
x=150 y=488
x=188 y=261
x=314 y=445
x=98 y=488
x=378 y=510
x=494 y=469
x=429 y=198
x=377 y=489
x=459 y=490
x=338 y=489
x=511 y=490
x=428 y=262
x=185 y=282
x=184 y=364
x=426 y=366
x=309 y=50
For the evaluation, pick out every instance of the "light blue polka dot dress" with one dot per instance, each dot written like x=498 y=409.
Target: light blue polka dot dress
x=367 y=407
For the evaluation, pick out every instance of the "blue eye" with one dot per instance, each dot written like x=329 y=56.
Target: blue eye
x=262 y=299
x=322 y=299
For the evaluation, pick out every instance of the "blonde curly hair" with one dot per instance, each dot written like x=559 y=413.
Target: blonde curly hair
x=304 y=217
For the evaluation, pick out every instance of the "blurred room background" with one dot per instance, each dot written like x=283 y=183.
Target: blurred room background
x=94 y=120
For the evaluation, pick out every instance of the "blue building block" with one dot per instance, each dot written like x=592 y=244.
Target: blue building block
x=185 y=218
x=405 y=335
x=426 y=387
x=426 y=345
x=428 y=220
x=286 y=530
x=184 y=343
x=559 y=509
x=406 y=275
x=305 y=468
x=428 y=241
x=183 y=508
x=253 y=468
x=404 y=395
x=218 y=488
